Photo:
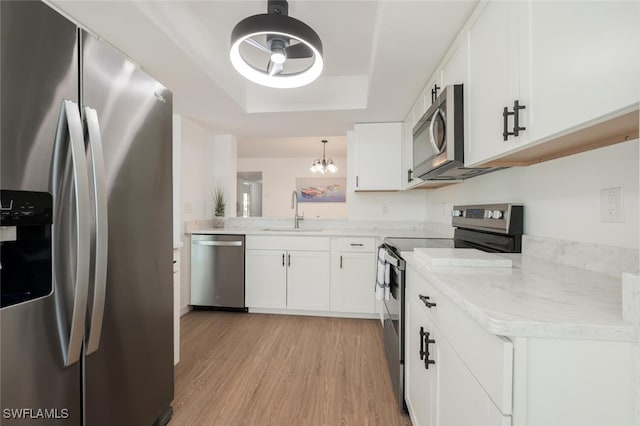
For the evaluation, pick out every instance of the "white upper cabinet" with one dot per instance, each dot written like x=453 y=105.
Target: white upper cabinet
x=450 y=71
x=491 y=81
x=571 y=65
x=408 y=180
x=584 y=62
x=452 y=67
x=378 y=159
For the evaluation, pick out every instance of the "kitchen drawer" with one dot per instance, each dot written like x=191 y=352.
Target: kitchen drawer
x=489 y=357
x=304 y=243
x=355 y=244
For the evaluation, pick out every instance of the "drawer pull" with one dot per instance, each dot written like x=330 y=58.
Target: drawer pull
x=425 y=300
x=356 y=244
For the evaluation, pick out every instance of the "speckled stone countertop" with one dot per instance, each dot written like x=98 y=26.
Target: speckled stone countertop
x=310 y=232
x=535 y=298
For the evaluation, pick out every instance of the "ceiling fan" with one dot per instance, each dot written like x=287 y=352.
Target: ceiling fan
x=281 y=40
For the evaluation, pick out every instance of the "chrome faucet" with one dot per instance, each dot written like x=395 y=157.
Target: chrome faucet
x=294 y=202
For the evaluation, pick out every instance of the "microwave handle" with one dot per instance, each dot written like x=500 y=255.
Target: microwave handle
x=432 y=137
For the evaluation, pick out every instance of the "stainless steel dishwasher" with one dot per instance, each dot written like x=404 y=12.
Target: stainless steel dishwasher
x=217 y=271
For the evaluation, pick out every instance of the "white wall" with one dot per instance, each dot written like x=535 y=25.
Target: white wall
x=198 y=178
x=561 y=197
x=388 y=206
x=224 y=164
x=279 y=180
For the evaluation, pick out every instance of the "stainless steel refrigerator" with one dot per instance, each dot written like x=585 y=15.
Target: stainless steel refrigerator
x=86 y=240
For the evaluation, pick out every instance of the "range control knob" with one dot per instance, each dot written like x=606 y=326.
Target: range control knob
x=488 y=214
x=456 y=213
x=496 y=214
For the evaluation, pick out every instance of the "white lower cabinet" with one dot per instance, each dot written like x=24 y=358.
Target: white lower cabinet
x=440 y=389
x=482 y=379
x=320 y=275
x=353 y=275
x=266 y=279
x=420 y=382
x=308 y=280
x=458 y=388
x=283 y=272
x=283 y=279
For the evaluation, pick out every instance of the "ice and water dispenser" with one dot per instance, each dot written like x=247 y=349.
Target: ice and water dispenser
x=25 y=246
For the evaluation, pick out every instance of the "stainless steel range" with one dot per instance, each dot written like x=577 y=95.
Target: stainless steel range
x=495 y=228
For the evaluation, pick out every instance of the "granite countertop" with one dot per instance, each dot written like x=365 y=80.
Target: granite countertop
x=535 y=298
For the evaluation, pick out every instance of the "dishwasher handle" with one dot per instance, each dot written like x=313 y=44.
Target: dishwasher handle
x=219 y=243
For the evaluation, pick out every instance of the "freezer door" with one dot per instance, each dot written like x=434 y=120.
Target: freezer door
x=38 y=69
x=129 y=378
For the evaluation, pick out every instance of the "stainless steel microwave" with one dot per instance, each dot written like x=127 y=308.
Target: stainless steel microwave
x=438 y=140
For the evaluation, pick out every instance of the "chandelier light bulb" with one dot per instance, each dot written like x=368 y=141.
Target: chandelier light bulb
x=323 y=165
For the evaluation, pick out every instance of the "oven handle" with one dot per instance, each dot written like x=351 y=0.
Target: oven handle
x=392 y=260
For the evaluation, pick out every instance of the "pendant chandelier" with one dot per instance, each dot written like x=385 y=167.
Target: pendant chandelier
x=322 y=165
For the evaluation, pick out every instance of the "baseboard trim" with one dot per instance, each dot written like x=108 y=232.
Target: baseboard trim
x=185 y=310
x=314 y=313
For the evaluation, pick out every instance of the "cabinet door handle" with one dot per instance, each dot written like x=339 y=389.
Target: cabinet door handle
x=505 y=123
x=409 y=175
x=422 y=352
x=340 y=262
x=288 y=259
x=516 y=118
x=434 y=93
x=356 y=181
x=282 y=259
x=425 y=300
x=427 y=341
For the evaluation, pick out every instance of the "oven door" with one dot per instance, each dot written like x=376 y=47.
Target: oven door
x=393 y=334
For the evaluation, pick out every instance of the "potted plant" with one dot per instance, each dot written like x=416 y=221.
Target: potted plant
x=219 y=205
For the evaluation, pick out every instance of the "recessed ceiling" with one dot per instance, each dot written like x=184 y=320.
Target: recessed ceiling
x=378 y=56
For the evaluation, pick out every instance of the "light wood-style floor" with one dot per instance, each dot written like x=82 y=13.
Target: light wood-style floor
x=253 y=369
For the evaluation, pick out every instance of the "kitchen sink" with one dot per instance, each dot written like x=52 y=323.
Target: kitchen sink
x=291 y=230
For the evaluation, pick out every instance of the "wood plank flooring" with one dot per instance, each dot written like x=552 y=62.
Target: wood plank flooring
x=254 y=369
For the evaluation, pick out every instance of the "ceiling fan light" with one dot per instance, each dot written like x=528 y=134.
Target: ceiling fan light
x=286 y=28
x=278 y=57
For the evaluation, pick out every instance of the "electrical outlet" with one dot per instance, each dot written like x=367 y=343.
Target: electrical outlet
x=611 y=203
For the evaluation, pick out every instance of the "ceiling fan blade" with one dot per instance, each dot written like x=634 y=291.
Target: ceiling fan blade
x=275 y=69
x=298 y=50
x=257 y=44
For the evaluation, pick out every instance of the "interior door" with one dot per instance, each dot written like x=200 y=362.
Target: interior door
x=39 y=62
x=129 y=379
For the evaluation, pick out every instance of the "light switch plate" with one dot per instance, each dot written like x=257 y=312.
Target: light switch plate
x=611 y=203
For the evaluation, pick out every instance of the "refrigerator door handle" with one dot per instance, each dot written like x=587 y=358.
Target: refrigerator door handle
x=94 y=330
x=70 y=129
